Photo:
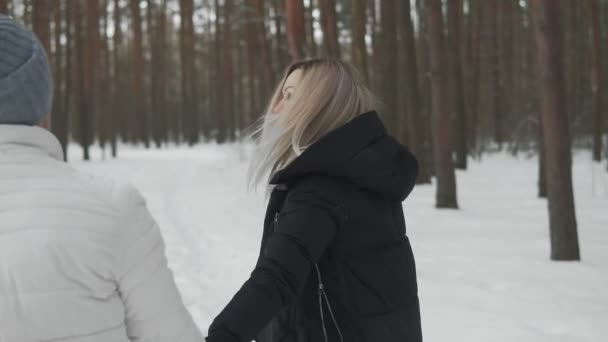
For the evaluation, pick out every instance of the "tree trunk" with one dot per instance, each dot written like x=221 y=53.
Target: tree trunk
x=141 y=117
x=456 y=85
x=4 y=6
x=424 y=66
x=597 y=82
x=446 y=180
x=494 y=50
x=267 y=76
x=42 y=23
x=329 y=26
x=475 y=26
x=389 y=65
x=190 y=118
x=92 y=49
x=542 y=163
x=227 y=71
x=69 y=67
x=296 y=30
x=59 y=118
x=159 y=78
x=83 y=75
x=118 y=89
x=562 y=220
x=359 y=48
x=310 y=29
x=418 y=132
x=105 y=128
x=252 y=67
x=219 y=86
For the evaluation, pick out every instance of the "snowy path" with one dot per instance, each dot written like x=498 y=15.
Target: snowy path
x=484 y=272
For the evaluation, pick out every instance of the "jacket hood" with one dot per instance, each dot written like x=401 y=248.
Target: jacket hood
x=362 y=153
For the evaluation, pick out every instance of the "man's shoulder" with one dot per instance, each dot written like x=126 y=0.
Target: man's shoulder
x=120 y=196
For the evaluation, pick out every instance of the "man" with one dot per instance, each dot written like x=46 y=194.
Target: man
x=81 y=259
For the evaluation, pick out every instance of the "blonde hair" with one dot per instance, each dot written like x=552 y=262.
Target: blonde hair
x=329 y=94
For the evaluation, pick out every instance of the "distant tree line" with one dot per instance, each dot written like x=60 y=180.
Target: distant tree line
x=456 y=78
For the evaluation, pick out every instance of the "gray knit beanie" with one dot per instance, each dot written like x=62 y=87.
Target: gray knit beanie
x=26 y=88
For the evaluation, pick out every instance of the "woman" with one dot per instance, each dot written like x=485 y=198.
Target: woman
x=335 y=263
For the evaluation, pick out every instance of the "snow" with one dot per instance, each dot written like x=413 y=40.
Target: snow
x=484 y=271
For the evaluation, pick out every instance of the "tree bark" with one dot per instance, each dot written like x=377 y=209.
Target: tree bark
x=562 y=220
x=267 y=76
x=296 y=29
x=190 y=118
x=141 y=117
x=474 y=42
x=4 y=6
x=497 y=100
x=251 y=41
x=59 y=117
x=118 y=89
x=227 y=71
x=597 y=82
x=42 y=22
x=418 y=131
x=310 y=29
x=359 y=48
x=446 y=179
x=105 y=130
x=83 y=75
x=389 y=65
x=329 y=27
x=457 y=95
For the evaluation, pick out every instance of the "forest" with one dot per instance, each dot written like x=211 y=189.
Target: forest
x=456 y=79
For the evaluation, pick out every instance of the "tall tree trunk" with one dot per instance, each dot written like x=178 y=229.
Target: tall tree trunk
x=562 y=220
x=59 y=118
x=310 y=29
x=252 y=68
x=280 y=46
x=69 y=67
x=329 y=26
x=389 y=64
x=83 y=75
x=104 y=122
x=267 y=76
x=446 y=180
x=494 y=50
x=4 y=6
x=418 y=132
x=359 y=48
x=605 y=53
x=542 y=163
x=375 y=71
x=597 y=82
x=141 y=117
x=457 y=95
x=190 y=117
x=42 y=22
x=92 y=48
x=474 y=41
x=219 y=113
x=424 y=66
x=227 y=70
x=296 y=30
x=118 y=89
x=158 y=38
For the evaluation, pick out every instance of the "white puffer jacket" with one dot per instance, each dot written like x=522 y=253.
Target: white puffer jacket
x=81 y=259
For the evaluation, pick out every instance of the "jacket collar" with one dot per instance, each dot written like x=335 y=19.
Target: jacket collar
x=30 y=139
x=334 y=149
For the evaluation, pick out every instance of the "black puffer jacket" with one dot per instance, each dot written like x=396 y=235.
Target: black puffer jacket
x=337 y=206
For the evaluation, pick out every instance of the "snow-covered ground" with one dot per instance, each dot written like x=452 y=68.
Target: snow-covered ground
x=484 y=270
